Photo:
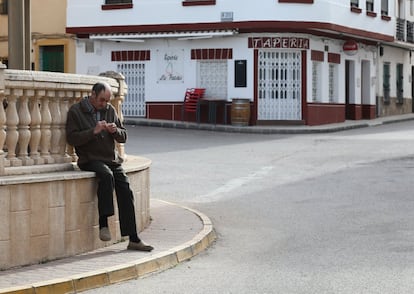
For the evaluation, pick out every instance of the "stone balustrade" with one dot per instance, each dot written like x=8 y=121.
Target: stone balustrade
x=33 y=117
x=48 y=206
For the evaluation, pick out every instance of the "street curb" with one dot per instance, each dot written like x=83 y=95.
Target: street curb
x=269 y=130
x=128 y=271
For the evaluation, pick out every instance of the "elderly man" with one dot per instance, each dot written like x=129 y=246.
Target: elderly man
x=92 y=127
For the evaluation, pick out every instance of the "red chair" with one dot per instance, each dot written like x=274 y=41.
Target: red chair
x=191 y=102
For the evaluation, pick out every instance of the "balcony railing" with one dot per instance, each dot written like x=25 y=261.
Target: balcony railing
x=33 y=112
x=405 y=30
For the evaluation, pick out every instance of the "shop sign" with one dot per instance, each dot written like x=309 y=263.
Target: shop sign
x=170 y=66
x=350 y=47
x=279 y=42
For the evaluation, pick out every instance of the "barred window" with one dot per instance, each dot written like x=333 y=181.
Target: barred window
x=370 y=5
x=3 y=7
x=384 y=7
x=333 y=82
x=316 y=80
x=198 y=2
x=108 y=2
x=212 y=75
x=117 y=4
x=354 y=3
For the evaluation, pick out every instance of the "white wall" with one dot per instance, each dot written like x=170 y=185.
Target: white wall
x=83 y=13
x=335 y=46
x=100 y=61
x=394 y=56
x=94 y=63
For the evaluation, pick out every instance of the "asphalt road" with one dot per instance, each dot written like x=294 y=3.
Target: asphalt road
x=325 y=213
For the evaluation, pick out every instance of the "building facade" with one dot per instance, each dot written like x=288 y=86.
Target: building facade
x=52 y=49
x=296 y=61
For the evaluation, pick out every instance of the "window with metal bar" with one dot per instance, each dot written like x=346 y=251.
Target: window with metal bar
x=384 y=7
x=117 y=4
x=411 y=7
x=355 y=3
x=370 y=5
x=110 y=2
x=212 y=76
x=333 y=82
x=3 y=7
x=400 y=34
x=386 y=76
x=296 y=1
x=198 y=2
x=316 y=80
x=410 y=32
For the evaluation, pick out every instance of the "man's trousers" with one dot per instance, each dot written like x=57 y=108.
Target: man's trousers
x=113 y=177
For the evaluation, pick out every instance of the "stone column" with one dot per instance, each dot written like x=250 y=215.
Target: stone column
x=2 y=118
x=19 y=34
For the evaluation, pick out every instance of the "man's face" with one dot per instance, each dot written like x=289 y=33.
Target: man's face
x=99 y=101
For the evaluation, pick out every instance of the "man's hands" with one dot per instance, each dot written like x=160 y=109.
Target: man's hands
x=111 y=128
x=104 y=126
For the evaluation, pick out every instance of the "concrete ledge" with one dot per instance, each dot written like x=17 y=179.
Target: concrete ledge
x=62 y=172
x=48 y=216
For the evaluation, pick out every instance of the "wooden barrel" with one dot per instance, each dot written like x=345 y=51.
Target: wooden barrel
x=240 y=112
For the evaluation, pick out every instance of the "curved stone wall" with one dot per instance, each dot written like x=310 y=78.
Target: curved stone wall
x=51 y=215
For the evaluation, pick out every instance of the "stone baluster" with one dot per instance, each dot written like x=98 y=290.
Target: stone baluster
x=45 y=131
x=2 y=119
x=75 y=99
x=117 y=103
x=2 y=133
x=55 y=127
x=35 y=127
x=12 y=121
x=23 y=128
x=64 y=107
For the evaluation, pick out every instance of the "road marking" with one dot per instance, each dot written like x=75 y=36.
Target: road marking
x=233 y=184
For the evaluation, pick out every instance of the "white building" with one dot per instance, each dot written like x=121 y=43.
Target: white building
x=297 y=61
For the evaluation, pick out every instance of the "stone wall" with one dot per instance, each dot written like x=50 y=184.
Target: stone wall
x=53 y=215
x=394 y=108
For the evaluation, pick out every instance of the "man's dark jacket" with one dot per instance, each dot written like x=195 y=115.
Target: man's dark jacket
x=80 y=124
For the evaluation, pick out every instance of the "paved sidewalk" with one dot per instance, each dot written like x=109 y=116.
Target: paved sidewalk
x=176 y=232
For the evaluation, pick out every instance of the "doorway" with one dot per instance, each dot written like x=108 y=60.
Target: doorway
x=349 y=88
x=412 y=88
x=134 y=103
x=279 y=85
